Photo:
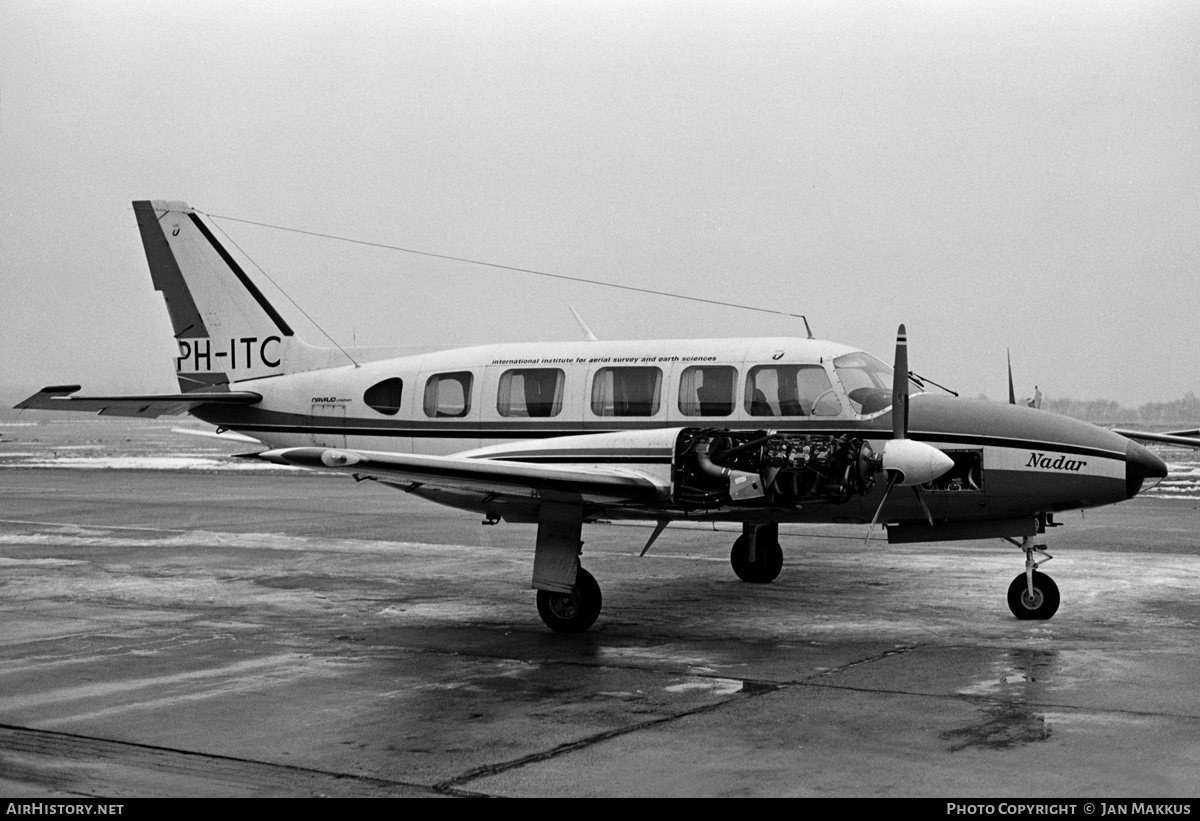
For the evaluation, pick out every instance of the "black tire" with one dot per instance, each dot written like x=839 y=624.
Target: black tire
x=1041 y=606
x=571 y=612
x=768 y=560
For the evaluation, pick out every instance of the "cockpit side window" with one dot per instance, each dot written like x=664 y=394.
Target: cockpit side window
x=868 y=382
x=790 y=390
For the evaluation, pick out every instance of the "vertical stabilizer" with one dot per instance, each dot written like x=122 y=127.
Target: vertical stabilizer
x=225 y=328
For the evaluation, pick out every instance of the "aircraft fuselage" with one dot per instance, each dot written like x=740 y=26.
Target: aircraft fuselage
x=1010 y=462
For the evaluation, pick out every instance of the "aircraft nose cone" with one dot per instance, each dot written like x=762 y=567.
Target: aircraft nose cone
x=1140 y=465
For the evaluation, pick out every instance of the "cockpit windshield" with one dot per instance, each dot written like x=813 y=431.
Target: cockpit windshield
x=868 y=382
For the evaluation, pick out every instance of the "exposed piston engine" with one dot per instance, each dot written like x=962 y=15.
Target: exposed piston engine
x=715 y=468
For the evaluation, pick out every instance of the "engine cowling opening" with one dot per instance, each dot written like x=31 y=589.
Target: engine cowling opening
x=719 y=467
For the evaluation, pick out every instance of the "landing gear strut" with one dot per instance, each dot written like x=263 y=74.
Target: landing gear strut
x=1033 y=595
x=571 y=612
x=756 y=556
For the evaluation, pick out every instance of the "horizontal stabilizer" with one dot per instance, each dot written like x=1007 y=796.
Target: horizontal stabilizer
x=1182 y=438
x=485 y=475
x=147 y=406
x=227 y=435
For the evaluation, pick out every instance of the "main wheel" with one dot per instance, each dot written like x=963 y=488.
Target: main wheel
x=571 y=612
x=768 y=560
x=1041 y=605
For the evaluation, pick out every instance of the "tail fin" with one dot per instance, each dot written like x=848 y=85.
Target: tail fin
x=226 y=329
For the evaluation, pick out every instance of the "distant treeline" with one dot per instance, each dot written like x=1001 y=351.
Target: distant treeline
x=1180 y=412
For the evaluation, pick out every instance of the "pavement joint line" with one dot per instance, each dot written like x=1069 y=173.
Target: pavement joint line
x=896 y=651
x=592 y=740
x=31 y=732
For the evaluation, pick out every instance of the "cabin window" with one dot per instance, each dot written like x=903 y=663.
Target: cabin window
x=531 y=392
x=791 y=390
x=448 y=394
x=626 y=391
x=707 y=390
x=385 y=396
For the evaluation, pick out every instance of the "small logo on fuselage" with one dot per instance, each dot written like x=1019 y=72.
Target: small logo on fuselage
x=1041 y=460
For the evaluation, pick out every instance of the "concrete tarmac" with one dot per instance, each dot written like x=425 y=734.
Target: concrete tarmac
x=222 y=634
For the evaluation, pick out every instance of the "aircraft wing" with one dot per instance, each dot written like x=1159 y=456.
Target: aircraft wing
x=598 y=483
x=1183 y=438
x=146 y=406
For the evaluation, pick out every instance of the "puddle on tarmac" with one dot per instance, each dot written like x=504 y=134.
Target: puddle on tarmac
x=1015 y=679
x=1001 y=726
x=1016 y=673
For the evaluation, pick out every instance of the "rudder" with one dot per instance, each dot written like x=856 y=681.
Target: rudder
x=225 y=327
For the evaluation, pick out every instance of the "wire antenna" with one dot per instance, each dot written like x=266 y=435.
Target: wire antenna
x=519 y=270
x=285 y=293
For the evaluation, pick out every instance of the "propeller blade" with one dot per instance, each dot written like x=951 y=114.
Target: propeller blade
x=906 y=462
x=900 y=387
x=924 y=507
x=1012 y=394
x=892 y=480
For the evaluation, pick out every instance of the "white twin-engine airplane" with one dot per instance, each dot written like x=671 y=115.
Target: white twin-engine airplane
x=756 y=431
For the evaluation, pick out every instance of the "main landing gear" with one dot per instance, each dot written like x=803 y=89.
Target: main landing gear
x=568 y=598
x=1033 y=595
x=756 y=556
x=571 y=612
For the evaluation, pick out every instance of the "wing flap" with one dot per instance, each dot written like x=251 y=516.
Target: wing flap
x=146 y=406
x=593 y=482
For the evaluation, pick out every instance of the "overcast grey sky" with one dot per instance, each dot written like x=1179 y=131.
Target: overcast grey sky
x=995 y=175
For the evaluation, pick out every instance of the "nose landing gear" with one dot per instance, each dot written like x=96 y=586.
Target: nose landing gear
x=1033 y=595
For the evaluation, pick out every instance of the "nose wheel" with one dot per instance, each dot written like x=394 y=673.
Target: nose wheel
x=1033 y=595
x=1036 y=601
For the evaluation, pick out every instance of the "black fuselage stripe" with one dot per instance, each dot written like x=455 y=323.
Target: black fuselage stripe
x=247 y=283
x=972 y=440
x=587 y=460
x=1017 y=444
